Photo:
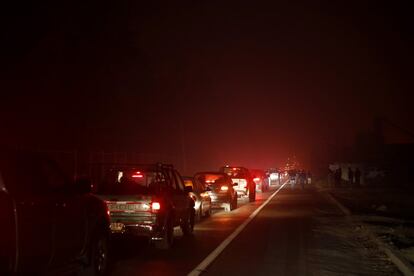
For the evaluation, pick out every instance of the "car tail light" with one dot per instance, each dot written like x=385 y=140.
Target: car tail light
x=256 y=179
x=224 y=188
x=155 y=206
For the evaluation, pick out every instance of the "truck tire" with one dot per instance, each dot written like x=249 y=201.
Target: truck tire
x=99 y=254
x=167 y=239
x=187 y=226
x=208 y=213
x=252 y=195
x=234 y=204
x=199 y=214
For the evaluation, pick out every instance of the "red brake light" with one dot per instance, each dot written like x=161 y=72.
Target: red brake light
x=256 y=179
x=155 y=206
x=224 y=188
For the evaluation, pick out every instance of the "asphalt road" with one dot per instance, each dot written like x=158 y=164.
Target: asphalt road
x=297 y=233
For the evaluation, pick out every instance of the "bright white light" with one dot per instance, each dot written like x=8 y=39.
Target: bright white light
x=273 y=176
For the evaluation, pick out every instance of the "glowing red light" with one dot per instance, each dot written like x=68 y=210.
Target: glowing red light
x=155 y=206
x=256 y=179
x=224 y=188
x=137 y=176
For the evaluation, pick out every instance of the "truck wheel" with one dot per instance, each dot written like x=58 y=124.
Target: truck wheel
x=252 y=196
x=99 y=255
x=199 y=214
x=167 y=239
x=208 y=213
x=187 y=226
x=234 y=204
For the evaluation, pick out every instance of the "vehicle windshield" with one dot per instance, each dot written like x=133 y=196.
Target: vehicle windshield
x=129 y=182
x=210 y=179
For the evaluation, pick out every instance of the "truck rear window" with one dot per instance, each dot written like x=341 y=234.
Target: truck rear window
x=211 y=179
x=129 y=182
x=234 y=172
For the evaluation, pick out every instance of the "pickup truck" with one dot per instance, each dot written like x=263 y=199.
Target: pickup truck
x=245 y=187
x=147 y=201
x=49 y=224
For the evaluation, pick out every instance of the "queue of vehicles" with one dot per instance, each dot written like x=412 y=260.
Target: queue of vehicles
x=50 y=222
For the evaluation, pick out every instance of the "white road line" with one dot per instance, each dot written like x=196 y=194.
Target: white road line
x=213 y=255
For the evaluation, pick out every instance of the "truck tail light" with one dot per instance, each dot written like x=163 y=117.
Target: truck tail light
x=155 y=206
x=224 y=188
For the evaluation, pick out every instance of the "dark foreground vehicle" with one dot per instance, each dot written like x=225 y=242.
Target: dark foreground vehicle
x=220 y=189
x=48 y=223
x=148 y=201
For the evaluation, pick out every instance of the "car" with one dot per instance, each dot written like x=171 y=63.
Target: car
x=148 y=201
x=274 y=176
x=292 y=177
x=220 y=188
x=241 y=176
x=201 y=197
x=49 y=223
x=260 y=179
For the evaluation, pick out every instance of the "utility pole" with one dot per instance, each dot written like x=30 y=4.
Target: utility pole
x=183 y=144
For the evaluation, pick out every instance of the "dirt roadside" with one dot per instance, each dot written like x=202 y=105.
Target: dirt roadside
x=384 y=213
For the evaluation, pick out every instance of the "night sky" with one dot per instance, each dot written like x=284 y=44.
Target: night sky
x=243 y=82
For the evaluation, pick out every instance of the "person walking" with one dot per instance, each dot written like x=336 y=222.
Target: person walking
x=338 y=177
x=357 y=177
x=350 y=176
x=308 y=178
x=303 y=179
x=295 y=180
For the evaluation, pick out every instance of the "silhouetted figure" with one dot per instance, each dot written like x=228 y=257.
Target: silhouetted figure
x=308 y=177
x=303 y=179
x=338 y=176
x=331 y=177
x=357 y=177
x=350 y=176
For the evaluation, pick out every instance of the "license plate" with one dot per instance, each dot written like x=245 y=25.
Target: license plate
x=123 y=207
x=117 y=227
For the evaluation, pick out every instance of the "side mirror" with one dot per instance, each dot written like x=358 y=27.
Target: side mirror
x=83 y=186
x=235 y=184
x=188 y=189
